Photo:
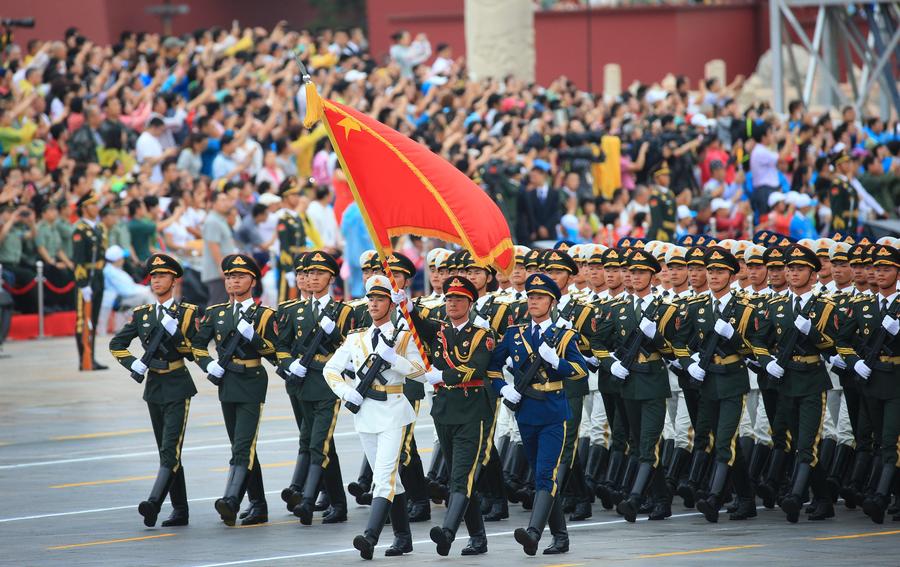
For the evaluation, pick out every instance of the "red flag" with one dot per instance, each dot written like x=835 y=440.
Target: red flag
x=403 y=188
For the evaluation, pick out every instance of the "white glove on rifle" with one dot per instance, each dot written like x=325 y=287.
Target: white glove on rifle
x=214 y=369
x=398 y=296
x=509 y=393
x=352 y=396
x=327 y=325
x=139 y=367
x=862 y=369
x=775 y=369
x=170 y=324
x=619 y=371
x=696 y=372
x=549 y=354
x=648 y=327
x=724 y=329
x=86 y=293
x=297 y=369
x=891 y=325
x=481 y=322
x=803 y=324
x=563 y=323
x=838 y=361
x=386 y=352
x=434 y=377
x=246 y=329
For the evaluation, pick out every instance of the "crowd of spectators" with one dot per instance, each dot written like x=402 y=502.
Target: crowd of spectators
x=187 y=140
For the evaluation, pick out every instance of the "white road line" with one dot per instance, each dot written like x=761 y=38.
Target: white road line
x=421 y=542
x=185 y=450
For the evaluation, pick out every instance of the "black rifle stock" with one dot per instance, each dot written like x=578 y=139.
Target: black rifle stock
x=374 y=366
x=154 y=345
x=230 y=346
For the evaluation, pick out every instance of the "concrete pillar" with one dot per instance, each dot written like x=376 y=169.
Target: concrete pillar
x=612 y=81
x=500 y=38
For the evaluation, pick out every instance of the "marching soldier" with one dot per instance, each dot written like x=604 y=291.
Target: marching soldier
x=291 y=237
x=543 y=409
x=88 y=253
x=868 y=343
x=244 y=333
x=719 y=321
x=166 y=326
x=842 y=197
x=311 y=330
x=800 y=377
x=643 y=322
x=662 y=205
x=384 y=414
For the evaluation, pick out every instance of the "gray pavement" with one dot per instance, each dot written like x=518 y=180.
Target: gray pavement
x=77 y=455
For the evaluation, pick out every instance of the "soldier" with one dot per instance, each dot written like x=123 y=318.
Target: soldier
x=662 y=205
x=801 y=381
x=868 y=343
x=291 y=237
x=641 y=321
x=241 y=379
x=298 y=336
x=88 y=253
x=463 y=410
x=384 y=412
x=543 y=409
x=719 y=320
x=168 y=325
x=696 y=263
x=842 y=197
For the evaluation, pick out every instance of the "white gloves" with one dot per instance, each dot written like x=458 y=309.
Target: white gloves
x=862 y=369
x=327 y=325
x=481 y=322
x=214 y=369
x=696 y=372
x=563 y=323
x=297 y=369
x=619 y=371
x=86 y=293
x=592 y=361
x=139 y=367
x=803 y=324
x=434 y=377
x=398 y=296
x=245 y=329
x=387 y=353
x=724 y=329
x=352 y=396
x=838 y=361
x=775 y=369
x=549 y=354
x=695 y=357
x=291 y=278
x=509 y=393
x=676 y=364
x=891 y=325
x=170 y=324
x=648 y=327
x=508 y=362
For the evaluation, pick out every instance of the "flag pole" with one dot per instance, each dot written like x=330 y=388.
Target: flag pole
x=314 y=113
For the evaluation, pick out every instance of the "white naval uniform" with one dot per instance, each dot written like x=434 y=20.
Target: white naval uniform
x=754 y=421
x=381 y=425
x=837 y=424
x=677 y=425
x=594 y=423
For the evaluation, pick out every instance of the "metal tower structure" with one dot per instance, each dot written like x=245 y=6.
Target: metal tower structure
x=863 y=35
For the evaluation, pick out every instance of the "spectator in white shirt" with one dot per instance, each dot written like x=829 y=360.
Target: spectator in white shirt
x=321 y=214
x=149 y=148
x=764 y=166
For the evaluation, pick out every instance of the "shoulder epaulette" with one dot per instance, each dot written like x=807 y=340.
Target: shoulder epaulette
x=780 y=298
x=139 y=307
x=698 y=298
x=226 y=304
x=355 y=331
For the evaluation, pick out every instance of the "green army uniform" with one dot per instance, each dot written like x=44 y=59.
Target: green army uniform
x=662 y=209
x=242 y=387
x=843 y=202
x=291 y=240
x=66 y=230
x=88 y=256
x=798 y=420
x=314 y=403
x=865 y=325
x=168 y=389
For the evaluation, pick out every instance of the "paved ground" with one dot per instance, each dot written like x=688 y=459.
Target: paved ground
x=77 y=455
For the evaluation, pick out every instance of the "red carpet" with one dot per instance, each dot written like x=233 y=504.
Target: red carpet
x=60 y=324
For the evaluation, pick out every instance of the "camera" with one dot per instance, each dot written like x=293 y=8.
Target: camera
x=17 y=22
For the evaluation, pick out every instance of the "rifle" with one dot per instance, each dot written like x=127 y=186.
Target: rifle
x=231 y=344
x=315 y=346
x=374 y=365
x=711 y=344
x=154 y=345
x=485 y=311
x=522 y=380
x=789 y=341
x=635 y=340
x=876 y=345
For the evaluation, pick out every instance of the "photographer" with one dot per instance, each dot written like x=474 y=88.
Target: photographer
x=578 y=155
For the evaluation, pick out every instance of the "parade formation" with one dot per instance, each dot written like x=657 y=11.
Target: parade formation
x=723 y=373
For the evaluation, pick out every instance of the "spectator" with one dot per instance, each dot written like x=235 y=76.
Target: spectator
x=764 y=167
x=407 y=53
x=17 y=226
x=218 y=242
x=142 y=227
x=119 y=289
x=249 y=236
x=149 y=148
x=86 y=141
x=58 y=267
x=190 y=158
x=541 y=207
x=321 y=215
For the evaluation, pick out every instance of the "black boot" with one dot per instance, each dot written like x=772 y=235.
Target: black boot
x=526 y=493
x=709 y=507
x=746 y=508
x=630 y=506
x=413 y=478
x=334 y=486
x=624 y=488
x=745 y=503
x=605 y=487
x=400 y=524
x=746 y=445
x=149 y=508
x=363 y=483
x=494 y=503
x=842 y=457
x=557 y=523
x=292 y=494
x=768 y=488
x=304 y=510
x=793 y=502
x=758 y=462
x=444 y=535
x=499 y=510
x=377 y=517
x=668 y=452
x=230 y=504
x=597 y=454
x=515 y=471
x=875 y=505
x=435 y=489
x=477 y=544
x=662 y=498
x=178 y=498
x=258 y=512
x=680 y=458
x=529 y=537
x=687 y=488
x=827 y=452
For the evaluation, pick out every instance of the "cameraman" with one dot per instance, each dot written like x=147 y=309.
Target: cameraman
x=501 y=180
x=581 y=150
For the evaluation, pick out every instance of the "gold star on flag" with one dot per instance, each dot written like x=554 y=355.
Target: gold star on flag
x=349 y=124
